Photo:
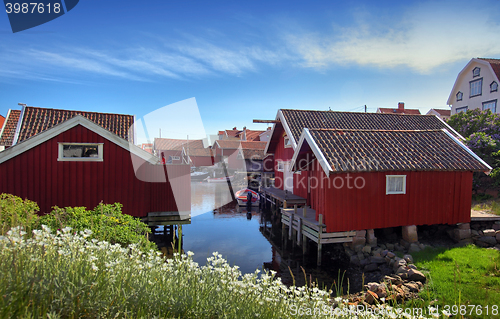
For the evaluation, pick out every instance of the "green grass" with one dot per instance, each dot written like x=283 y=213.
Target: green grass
x=461 y=276
x=489 y=206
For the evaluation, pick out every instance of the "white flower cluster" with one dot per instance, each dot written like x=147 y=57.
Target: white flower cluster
x=66 y=271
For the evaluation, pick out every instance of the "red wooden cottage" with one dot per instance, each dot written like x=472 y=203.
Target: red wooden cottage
x=373 y=170
x=79 y=163
x=230 y=151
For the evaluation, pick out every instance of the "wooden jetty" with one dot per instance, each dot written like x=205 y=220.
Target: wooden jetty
x=301 y=222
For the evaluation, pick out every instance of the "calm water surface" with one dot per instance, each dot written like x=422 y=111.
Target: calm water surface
x=227 y=230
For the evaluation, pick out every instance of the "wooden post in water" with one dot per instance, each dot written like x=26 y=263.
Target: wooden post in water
x=320 y=231
x=228 y=181
x=284 y=204
x=179 y=231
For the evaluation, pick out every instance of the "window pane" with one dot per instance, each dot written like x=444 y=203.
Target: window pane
x=76 y=150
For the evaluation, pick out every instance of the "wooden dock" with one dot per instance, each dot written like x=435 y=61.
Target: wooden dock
x=278 y=197
x=302 y=224
x=166 y=218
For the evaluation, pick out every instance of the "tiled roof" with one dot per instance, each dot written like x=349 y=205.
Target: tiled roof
x=36 y=120
x=9 y=128
x=175 y=144
x=253 y=154
x=299 y=119
x=2 y=120
x=253 y=135
x=229 y=144
x=398 y=111
x=379 y=150
x=443 y=112
x=232 y=133
x=200 y=152
x=495 y=65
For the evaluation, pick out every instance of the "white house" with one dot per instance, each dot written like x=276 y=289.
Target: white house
x=442 y=114
x=476 y=86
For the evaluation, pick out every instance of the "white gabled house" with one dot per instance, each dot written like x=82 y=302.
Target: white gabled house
x=476 y=87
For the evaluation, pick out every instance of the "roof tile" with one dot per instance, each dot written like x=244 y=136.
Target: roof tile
x=9 y=129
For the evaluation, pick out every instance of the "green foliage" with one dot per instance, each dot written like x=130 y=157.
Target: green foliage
x=17 y=212
x=106 y=221
x=481 y=130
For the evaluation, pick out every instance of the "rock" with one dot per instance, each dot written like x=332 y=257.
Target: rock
x=382 y=246
x=354 y=260
x=370 y=267
x=464 y=242
x=414 y=248
x=464 y=226
x=381 y=291
x=377 y=252
x=489 y=232
x=384 y=252
x=364 y=262
x=481 y=244
x=372 y=286
x=491 y=241
x=498 y=236
x=412 y=286
x=459 y=234
x=408 y=259
x=415 y=275
x=370 y=297
x=390 y=254
x=394 y=280
x=402 y=272
x=349 y=252
x=398 y=247
x=358 y=248
x=404 y=243
x=390 y=246
x=398 y=262
x=474 y=232
x=410 y=233
x=377 y=260
x=496 y=226
x=370 y=238
x=367 y=249
x=412 y=266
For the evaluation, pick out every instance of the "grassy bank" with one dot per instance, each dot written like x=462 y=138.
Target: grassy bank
x=467 y=276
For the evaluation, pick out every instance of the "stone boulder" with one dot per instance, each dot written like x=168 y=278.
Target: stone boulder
x=415 y=275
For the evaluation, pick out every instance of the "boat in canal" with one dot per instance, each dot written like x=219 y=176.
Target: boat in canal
x=223 y=179
x=198 y=176
x=242 y=197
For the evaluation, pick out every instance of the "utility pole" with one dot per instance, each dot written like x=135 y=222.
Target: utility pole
x=365 y=108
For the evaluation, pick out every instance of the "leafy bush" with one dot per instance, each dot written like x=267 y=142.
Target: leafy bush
x=15 y=211
x=106 y=221
x=66 y=275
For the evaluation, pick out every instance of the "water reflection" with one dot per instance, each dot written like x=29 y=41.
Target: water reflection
x=251 y=244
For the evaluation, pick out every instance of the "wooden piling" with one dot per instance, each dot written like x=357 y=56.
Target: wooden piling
x=320 y=221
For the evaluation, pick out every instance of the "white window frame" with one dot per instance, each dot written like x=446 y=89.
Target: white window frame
x=493 y=108
x=282 y=164
x=476 y=72
x=493 y=86
x=461 y=109
x=476 y=87
x=61 y=158
x=389 y=192
x=287 y=141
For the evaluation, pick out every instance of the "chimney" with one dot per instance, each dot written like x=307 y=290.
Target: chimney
x=401 y=106
x=234 y=128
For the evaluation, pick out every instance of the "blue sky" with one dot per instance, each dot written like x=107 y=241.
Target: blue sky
x=242 y=60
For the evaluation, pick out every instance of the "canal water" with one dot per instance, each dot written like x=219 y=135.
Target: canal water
x=219 y=225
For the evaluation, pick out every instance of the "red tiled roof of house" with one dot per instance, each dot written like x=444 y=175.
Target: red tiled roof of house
x=2 y=120
x=252 y=135
x=495 y=65
x=202 y=152
x=228 y=144
x=256 y=154
x=297 y=120
x=398 y=111
x=36 y=120
x=385 y=150
x=232 y=133
x=170 y=144
x=9 y=128
x=443 y=112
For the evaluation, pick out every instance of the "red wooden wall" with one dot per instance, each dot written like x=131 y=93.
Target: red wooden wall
x=431 y=198
x=202 y=160
x=37 y=175
x=281 y=154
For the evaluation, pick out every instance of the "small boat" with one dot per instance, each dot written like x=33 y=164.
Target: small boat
x=223 y=179
x=242 y=194
x=198 y=176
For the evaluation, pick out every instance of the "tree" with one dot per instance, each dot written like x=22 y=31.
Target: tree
x=481 y=130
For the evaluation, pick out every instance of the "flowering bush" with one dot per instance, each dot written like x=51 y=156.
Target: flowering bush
x=67 y=275
x=15 y=211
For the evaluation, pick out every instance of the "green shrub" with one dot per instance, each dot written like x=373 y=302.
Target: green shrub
x=15 y=211
x=106 y=221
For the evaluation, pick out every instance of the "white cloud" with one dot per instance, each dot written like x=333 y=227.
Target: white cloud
x=425 y=36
